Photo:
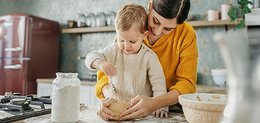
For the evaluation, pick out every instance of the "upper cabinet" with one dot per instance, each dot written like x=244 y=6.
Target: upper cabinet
x=195 y=24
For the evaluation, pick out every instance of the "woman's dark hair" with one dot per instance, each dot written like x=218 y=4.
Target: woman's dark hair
x=172 y=9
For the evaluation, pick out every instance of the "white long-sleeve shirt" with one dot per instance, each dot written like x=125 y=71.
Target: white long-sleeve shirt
x=137 y=74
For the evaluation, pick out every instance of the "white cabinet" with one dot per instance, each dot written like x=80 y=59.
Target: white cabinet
x=44 y=89
x=87 y=91
x=87 y=95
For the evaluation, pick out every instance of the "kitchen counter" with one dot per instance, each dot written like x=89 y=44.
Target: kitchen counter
x=88 y=112
x=50 y=80
x=200 y=88
x=88 y=115
x=211 y=89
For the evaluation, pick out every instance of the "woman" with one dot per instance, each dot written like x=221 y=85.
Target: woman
x=174 y=42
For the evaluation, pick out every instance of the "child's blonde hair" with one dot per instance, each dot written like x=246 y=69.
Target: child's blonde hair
x=129 y=15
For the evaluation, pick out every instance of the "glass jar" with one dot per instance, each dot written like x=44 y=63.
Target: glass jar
x=81 y=20
x=91 y=20
x=110 y=18
x=88 y=20
x=100 y=19
x=65 y=98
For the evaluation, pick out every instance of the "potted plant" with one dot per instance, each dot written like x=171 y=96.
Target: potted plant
x=237 y=12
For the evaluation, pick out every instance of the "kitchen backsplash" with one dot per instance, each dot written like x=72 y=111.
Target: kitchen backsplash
x=75 y=45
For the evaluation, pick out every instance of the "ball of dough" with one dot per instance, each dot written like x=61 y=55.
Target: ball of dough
x=118 y=107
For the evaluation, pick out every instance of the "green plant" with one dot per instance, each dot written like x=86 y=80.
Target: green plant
x=237 y=13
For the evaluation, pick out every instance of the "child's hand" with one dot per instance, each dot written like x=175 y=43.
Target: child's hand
x=107 y=68
x=103 y=111
x=160 y=113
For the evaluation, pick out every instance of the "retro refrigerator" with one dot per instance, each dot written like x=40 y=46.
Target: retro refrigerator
x=29 y=49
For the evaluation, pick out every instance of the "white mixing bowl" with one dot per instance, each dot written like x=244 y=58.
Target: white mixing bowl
x=203 y=107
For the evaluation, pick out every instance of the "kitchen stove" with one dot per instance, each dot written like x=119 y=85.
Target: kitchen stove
x=15 y=107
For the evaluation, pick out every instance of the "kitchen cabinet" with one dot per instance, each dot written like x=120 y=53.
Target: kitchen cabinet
x=29 y=48
x=195 y=24
x=87 y=90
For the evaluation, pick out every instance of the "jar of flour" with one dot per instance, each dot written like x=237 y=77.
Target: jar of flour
x=65 y=98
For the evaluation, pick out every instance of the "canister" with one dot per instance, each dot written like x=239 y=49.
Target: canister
x=224 y=11
x=65 y=98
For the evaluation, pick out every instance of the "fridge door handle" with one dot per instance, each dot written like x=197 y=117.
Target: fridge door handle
x=13 y=67
x=15 y=49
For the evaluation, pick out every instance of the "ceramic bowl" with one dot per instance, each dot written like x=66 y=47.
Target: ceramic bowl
x=203 y=107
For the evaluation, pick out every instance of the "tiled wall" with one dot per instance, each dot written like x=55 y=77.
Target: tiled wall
x=74 y=45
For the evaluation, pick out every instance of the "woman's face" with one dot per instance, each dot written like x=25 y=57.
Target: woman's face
x=158 y=25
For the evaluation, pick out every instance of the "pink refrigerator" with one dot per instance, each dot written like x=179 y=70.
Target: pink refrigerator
x=29 y=49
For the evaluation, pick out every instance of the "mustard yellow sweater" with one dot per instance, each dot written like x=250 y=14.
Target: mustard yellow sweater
x=178 y=55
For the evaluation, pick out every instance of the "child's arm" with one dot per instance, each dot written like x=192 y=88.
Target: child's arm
x=156 y=76
x=105 y=66
x=158 y=82
x=94 y=58
x=100 y=59
x=102 y=87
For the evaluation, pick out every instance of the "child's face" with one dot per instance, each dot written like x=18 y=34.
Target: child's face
x=130 y=41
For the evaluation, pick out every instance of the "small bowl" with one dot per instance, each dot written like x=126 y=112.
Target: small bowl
x=203 y=107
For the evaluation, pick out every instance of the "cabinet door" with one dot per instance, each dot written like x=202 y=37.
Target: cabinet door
x=87 y=92
x=87 y=95
x=44 y=89
x=13 y=76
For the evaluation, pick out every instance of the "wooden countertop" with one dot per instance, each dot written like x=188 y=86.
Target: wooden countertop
x=200 y=88
x=88 y=115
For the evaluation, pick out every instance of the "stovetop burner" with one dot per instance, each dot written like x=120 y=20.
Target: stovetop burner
x=21 y=107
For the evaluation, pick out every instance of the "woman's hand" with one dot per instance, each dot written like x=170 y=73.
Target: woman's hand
x=141 y=106
x=103 y=111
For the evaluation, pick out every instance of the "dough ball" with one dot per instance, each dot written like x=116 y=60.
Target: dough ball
x=118 y=107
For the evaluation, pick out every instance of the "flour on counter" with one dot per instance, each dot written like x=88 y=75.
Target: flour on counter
x=4 y=114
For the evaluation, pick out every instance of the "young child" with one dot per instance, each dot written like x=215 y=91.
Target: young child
x=133 y=68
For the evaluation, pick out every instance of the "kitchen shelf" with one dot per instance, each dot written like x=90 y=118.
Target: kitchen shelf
x=89 y=29
x=205 y=23
x=202 y=23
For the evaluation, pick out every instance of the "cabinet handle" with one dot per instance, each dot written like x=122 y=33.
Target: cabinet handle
x=13 y=67
x=16 y=49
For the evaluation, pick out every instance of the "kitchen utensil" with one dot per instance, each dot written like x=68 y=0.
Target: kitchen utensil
x=112 y=84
